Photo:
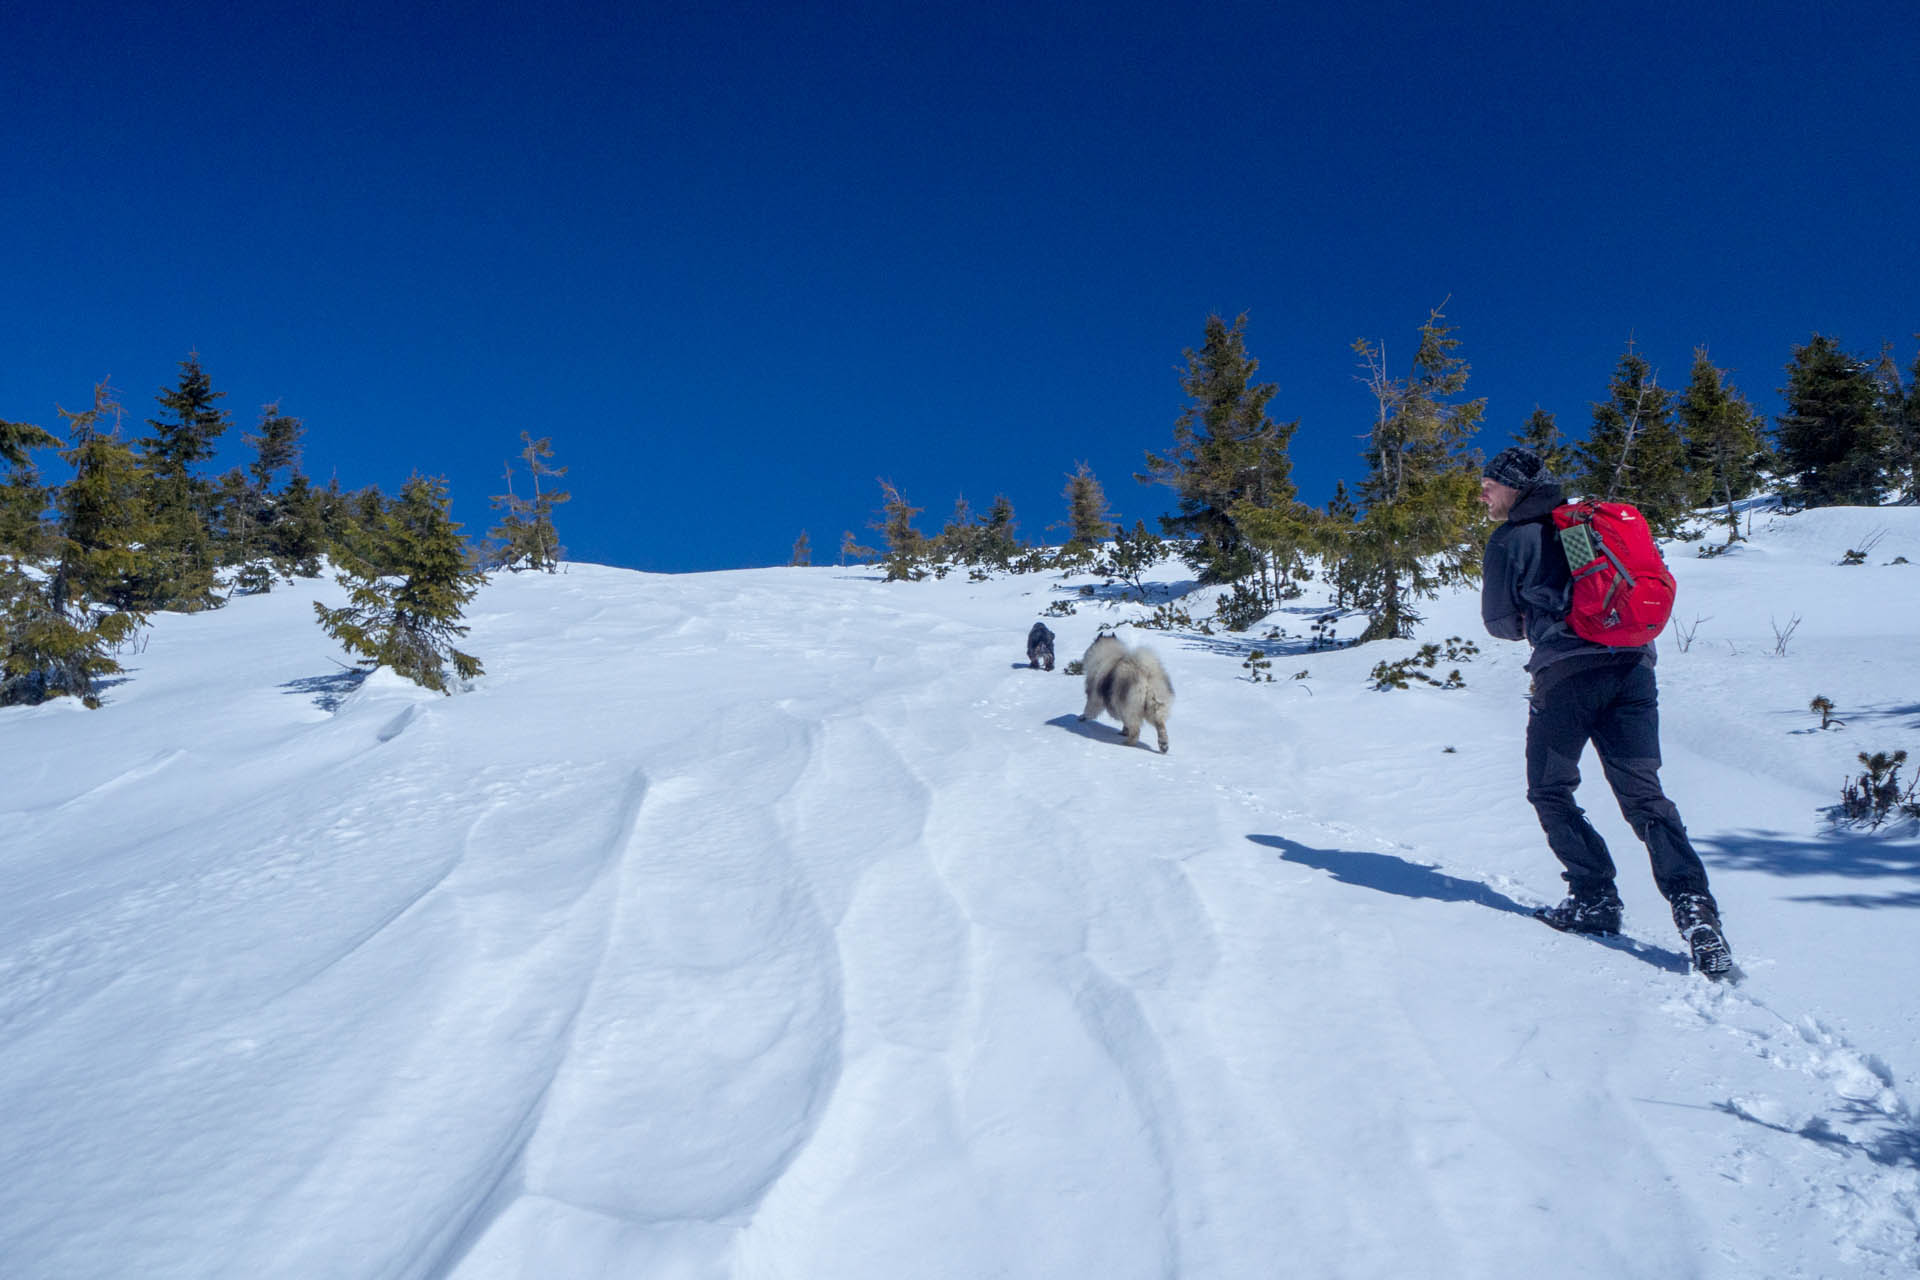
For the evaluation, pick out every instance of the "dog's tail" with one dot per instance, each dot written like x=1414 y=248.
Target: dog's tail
x=1159 y=688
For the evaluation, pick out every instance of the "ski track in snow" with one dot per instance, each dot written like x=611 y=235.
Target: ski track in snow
x=860 y=962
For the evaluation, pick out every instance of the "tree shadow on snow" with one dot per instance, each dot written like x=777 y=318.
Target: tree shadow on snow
x=1864 y=855
x=1115 y=595
x=1287 y=644
x=1385 y=873
x=1895 y=1145
x=328 y=691
x=1910 y=713
x=1240 y=644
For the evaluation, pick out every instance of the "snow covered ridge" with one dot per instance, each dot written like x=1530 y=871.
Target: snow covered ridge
x=783 y=923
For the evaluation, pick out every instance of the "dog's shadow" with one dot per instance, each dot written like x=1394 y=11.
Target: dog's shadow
x=1097 y=731
x=1384 y=873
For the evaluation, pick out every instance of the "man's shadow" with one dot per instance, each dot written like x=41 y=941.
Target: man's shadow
x=1384 y=873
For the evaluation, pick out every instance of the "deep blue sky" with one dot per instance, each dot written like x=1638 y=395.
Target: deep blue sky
x=739 y=260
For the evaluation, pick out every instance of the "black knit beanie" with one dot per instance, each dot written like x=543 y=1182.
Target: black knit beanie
x=1517 y=468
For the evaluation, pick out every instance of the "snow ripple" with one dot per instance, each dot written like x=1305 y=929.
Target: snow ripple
x=709 y=1040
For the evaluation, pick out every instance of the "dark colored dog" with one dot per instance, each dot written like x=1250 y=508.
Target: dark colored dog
x=1040 y=647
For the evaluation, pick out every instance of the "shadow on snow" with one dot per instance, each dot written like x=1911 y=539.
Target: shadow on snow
x=328 y=691
x=1896 y=1147
x=1852 y=854
x=1384 y=873
x=1100 y=731
x=1909 y=714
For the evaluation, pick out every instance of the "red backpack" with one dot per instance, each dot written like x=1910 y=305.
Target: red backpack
x=1622 y=591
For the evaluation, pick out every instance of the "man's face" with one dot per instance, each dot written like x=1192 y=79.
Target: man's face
x=1498 y=497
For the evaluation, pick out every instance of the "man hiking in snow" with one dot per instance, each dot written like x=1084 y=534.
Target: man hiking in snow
x=1585 y=692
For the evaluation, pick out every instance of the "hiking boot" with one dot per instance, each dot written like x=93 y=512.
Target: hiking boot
x=1698 y=920
x=1584 y=915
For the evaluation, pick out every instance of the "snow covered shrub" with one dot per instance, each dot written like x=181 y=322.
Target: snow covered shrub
x=1398 y=675
x=1240 y=608
x=1871 y=539
x=1875 y=795
x=1033 y=560
x=1167 y=617
x=1130 y=555
x=1259 y=667
x=255 y=578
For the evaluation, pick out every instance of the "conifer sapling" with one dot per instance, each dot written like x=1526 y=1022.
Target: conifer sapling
x=408 y=617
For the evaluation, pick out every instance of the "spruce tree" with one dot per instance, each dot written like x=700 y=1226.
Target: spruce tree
x=1336 y=525
x=105 y=528
x=18 y=438
x=247 y=514
x=1420 y=516
x=525 y=537
x=538 y=454
x=907 y=547
x=999 y=540
x=239 y=516
x=1287 y=533
x=183 y=557
x=1899 y=413
x=48 y=652
x=354 y=523
x=1542 y=435
x=852 y=549
x=1633 y=452
x=23 y=499
x=1723 y=440
x=1226 y=453
x=188 y=436
x=24 y=540
x=1089 y=522
x=1833 y=447
x=510 y=541
x=62 y=628
x=1909 y=429
x=957 y=540
x=802 y=552
x=276 y=446
x=407 y=615
x=296 y=537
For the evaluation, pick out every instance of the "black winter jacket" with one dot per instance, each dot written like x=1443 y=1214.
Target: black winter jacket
x=1525 y=586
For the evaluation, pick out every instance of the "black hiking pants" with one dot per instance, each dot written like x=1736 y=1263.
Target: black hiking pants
x=1615 y=706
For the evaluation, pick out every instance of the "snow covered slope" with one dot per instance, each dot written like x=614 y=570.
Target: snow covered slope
x=778 y=923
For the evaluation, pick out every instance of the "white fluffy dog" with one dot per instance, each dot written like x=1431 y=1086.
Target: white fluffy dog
x=1128 y=684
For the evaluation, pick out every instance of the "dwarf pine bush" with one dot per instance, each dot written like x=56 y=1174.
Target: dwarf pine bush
x=1875 y=795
